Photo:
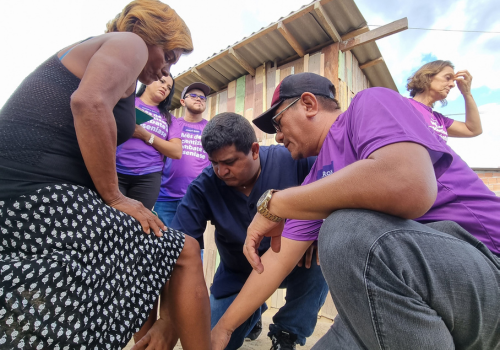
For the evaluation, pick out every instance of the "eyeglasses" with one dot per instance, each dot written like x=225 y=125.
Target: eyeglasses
x=194 y=96
x=277 y=124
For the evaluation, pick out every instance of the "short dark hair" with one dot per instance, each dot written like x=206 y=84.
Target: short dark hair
x=226 y=129
x=164 y=105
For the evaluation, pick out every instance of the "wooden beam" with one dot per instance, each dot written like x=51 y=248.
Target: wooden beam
x=371 y=63
x=372 y=35
x=354 y=33
x=291 y=39
x=308 y=51
x=244 y=64
x=325 y=22
x=213 y=85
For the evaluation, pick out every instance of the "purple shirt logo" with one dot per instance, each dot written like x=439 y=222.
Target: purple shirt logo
x=325 y=171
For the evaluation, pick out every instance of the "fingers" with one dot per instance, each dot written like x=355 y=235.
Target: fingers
x=463 y=74
x=317 y=256
x=251 y=253
x=143 y=343
x=276 y=243
x=152 y=222
x=301 y=262
x=308 y=257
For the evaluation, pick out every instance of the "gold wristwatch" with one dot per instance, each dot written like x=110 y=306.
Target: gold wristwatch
x=262 y=206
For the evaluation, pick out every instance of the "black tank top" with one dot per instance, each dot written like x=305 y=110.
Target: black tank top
x=38 y=144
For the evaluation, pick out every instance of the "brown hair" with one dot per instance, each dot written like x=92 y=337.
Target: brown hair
x=421 y=80
x=155 y=22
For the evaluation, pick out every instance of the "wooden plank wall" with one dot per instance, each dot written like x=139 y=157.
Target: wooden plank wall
x=250 y=96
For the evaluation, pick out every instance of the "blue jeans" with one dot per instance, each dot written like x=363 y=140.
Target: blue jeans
x=399 y=284
x=166 y=212
x=305 y=295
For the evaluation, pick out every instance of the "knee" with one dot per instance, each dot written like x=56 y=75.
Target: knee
x=347 y=236
x=190 y=253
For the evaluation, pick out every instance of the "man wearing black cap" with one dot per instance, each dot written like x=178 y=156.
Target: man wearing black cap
x=178 y=173
x=408 y=235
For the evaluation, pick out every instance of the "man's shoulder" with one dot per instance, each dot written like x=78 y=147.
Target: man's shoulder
x=276 y=151
x=377 y=93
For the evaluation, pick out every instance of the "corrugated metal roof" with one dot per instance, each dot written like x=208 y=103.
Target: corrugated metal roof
x=268 y=44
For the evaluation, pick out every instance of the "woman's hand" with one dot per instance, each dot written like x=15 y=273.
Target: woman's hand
x=141 y=133
x=220 y=337
x=464 y=82
x=135 y=209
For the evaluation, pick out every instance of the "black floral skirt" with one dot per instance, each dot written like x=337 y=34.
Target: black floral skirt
x=76 y=273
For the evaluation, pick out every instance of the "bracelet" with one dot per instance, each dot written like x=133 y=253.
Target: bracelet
x=151 y=140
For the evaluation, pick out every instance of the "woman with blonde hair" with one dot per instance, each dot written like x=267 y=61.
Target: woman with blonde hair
x=431 y=83
x=77 y=270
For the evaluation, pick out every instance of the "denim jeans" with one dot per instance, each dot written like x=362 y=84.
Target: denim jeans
x=166 y=211
x=305 y=295
x=399 y=284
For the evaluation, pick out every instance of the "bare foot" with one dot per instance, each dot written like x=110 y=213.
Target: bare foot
x=160 y=337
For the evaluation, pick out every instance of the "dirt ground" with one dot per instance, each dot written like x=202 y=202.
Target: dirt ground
x=264 y=343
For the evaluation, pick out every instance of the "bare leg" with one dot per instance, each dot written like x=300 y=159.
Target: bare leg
x=188 y=299
x=184 y=299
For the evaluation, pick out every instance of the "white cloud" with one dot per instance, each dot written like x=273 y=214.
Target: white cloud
x=484 y=150
x=33 y=30
x=403 y=51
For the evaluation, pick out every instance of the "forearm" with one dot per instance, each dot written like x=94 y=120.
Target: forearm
x=472 y=118
x=259 y=287
x=95 y=129
x=170 y=149
x=404 y=186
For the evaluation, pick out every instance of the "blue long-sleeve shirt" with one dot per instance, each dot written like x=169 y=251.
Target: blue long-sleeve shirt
x=209 y=199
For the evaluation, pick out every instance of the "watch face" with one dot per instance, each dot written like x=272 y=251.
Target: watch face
x=261 y=199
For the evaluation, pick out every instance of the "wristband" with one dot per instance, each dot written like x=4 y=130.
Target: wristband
x=151 y=140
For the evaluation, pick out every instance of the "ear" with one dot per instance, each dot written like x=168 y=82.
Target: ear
x=182 y=102
x=255 y=150
x=310 y=103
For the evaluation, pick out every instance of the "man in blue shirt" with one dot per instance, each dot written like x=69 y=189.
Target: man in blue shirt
x=226 y=194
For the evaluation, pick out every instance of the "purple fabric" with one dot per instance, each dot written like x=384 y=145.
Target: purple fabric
x=135 y=157
x=436 y=121
x=179 y=173
x=378 y=117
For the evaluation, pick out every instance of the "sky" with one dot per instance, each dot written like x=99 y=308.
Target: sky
x=33 y=30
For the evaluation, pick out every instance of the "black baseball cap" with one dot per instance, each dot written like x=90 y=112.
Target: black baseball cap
x=198 y=85
x=294 y=86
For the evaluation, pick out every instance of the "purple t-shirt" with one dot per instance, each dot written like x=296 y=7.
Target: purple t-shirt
x=435 y=120
x=179 y=173
x=135 y=157
x=378 y=117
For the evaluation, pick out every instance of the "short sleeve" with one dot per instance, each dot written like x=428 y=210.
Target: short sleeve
x=302 y=230
x=174 y=129
x=378 y=117
x=192 y=214
x=444 y=120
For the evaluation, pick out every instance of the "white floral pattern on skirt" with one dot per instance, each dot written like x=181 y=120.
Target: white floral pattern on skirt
x=76 y=273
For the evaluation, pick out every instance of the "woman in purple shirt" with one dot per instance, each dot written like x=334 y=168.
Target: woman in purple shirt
x=431 y=83
x=139 y=161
